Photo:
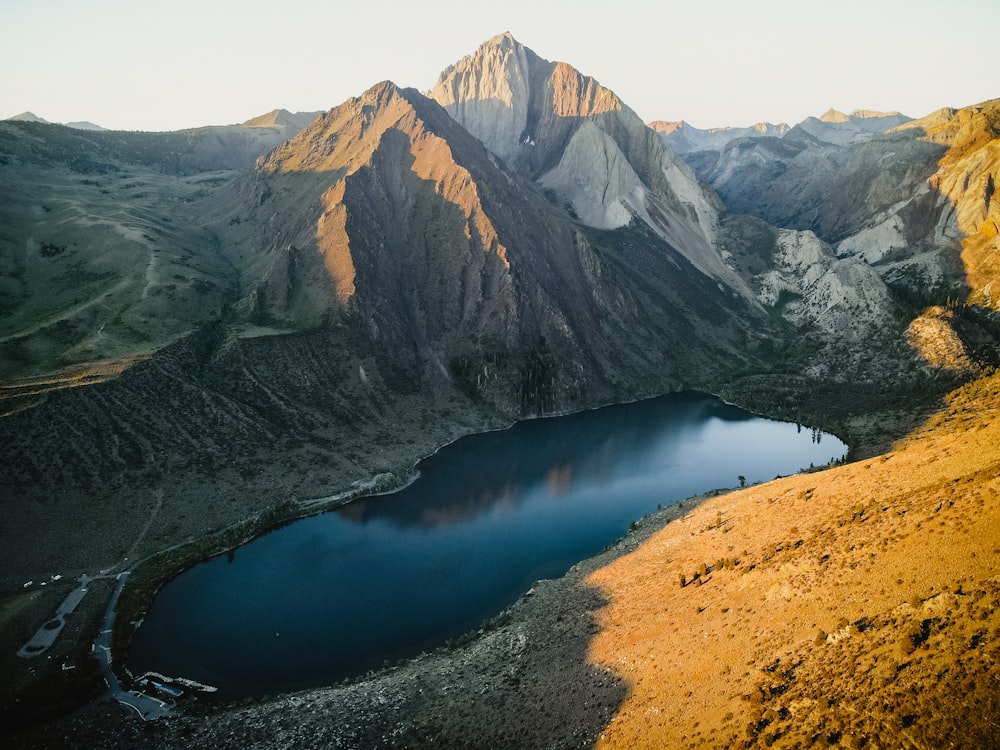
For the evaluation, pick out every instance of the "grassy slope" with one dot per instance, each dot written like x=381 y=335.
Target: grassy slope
x=861 y=610
x=99 y=267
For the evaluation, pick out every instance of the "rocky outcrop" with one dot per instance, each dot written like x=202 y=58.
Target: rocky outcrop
x=841 y=305
x=844 y=298
x=933 y=337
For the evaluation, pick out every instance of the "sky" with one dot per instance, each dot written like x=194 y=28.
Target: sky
x=168 y=65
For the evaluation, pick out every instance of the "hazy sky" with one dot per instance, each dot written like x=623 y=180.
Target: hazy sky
x=165 y=65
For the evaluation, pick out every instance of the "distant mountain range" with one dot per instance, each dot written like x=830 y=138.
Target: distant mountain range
x=31 y=117
x=288 y=122
x=832 y=128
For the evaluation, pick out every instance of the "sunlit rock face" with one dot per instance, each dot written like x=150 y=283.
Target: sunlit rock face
x=967 y=176
x=933 y=337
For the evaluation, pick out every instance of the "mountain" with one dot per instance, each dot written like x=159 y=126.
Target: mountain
x=684 y=138
x=830 y=128
x=103 y=252
x=84 y=125
x=292 y=122
x=914 y=202
x=569 y=134
x=839 y=129
x=386 y=210
x=966 y=175
x=111 y=225
x=27 y=117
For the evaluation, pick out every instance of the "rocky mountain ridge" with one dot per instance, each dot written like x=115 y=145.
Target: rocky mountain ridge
x=915 y=204
x=683 y=138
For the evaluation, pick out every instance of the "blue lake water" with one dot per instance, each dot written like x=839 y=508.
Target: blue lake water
x=386 y=577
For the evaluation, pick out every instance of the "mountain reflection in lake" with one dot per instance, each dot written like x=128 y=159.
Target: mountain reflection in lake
x=385 y=577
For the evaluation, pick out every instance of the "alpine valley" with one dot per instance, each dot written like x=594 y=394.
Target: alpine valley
x=206 y=333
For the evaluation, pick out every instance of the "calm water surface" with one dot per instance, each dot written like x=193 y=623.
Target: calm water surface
x=386 y=577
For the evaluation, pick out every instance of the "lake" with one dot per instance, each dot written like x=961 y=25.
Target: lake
x=386 y=577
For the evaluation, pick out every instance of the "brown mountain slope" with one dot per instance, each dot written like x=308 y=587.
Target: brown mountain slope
x=854 y=608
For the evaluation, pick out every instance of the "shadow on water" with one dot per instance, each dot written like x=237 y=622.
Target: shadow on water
x=525 y=682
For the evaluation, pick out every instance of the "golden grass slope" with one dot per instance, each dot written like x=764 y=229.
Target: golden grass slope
x=856 y=608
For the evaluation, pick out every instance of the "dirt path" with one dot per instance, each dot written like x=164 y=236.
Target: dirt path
x=68 y=312
x=149 y=522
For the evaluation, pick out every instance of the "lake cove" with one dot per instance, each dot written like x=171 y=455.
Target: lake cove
x=384 y=578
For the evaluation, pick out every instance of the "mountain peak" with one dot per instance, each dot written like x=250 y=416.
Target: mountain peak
x=506 y=39
x=380 y=93
x=348 y=133
x=268 y=119
x=574 y=137
x=513 y=101
x=28 y=117
x=833 y=115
